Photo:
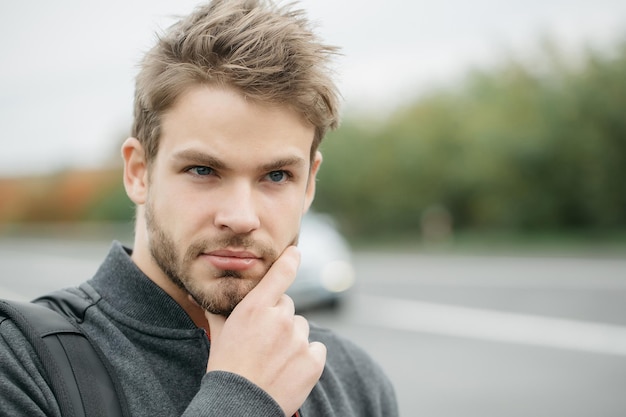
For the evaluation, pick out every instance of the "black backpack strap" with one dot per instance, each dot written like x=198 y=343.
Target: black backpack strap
x=78 y=374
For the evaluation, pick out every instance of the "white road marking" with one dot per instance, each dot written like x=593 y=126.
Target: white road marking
x=492 y=325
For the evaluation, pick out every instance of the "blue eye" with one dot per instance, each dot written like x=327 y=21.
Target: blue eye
x=201 y=171
x=277 y=176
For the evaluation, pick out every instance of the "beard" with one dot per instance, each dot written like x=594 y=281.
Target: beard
x=227 y=288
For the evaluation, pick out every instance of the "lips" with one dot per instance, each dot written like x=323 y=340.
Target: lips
x=232 y=259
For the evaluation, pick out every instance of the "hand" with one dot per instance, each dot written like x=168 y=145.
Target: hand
x=264 y=341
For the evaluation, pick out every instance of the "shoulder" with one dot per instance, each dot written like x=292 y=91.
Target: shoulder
x=352 y=377
x=345 y=357
x=25 y=391
x=340 y=349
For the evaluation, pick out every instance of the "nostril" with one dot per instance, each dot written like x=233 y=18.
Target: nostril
x=238 y=222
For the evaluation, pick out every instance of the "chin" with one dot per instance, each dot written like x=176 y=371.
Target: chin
x=223 y=295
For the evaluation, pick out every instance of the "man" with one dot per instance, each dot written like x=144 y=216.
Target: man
x=230 y=107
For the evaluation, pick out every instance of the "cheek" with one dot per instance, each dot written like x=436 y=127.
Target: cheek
x=284 y=223
x=178 y=211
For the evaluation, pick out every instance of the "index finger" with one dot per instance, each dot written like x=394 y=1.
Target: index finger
x=277 y=279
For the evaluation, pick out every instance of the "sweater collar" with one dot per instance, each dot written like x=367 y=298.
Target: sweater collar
x=127 y=289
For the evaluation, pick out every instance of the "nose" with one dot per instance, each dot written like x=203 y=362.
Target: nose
x=237 y=210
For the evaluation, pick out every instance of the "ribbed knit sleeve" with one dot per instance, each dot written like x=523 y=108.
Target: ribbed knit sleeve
x=227 y=394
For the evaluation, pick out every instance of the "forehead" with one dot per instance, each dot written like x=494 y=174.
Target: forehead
x=222 y=121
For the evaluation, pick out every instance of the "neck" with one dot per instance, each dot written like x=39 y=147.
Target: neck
x=143 y=259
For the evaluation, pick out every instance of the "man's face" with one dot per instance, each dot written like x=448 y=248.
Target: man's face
x=226 y=193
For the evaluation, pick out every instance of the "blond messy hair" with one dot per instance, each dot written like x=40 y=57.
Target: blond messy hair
x=268 y=53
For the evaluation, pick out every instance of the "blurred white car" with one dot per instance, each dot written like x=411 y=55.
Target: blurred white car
x=326 y=270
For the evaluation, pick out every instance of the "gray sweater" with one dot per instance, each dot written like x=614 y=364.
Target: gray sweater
x=160 y=358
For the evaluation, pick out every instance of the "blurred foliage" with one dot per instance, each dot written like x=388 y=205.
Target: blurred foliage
x=112 y=205
x=64 y=196
x=521 y=147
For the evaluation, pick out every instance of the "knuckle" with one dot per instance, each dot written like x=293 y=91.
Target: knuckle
x=284 y=323
x=287 y=300
x=320 y=358
x=302 y=324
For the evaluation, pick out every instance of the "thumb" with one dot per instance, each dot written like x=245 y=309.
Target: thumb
x=216 y=324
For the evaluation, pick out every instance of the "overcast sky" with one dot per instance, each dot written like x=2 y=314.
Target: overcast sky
x=66 y=79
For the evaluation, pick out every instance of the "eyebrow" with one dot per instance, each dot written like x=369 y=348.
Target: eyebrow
x=191 y=156
x=293 y=161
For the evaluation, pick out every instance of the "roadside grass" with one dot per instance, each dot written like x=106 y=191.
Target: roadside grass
x=542 y=243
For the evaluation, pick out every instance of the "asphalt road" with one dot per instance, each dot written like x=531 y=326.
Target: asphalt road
x=459 y=336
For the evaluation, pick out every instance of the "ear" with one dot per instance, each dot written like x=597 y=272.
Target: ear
x=135 y=170
x=310 y=188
